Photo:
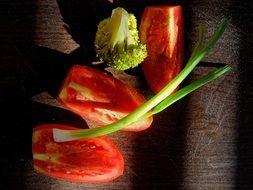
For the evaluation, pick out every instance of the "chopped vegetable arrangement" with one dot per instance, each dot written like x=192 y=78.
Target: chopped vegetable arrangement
x=85 y=155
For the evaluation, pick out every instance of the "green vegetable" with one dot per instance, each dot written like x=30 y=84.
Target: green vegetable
x=117 y=41
x=188 y=89
x=162 y=99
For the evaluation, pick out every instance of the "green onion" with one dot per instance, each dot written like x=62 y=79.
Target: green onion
x=188 y=89
x=162 y=99
x=200 y=40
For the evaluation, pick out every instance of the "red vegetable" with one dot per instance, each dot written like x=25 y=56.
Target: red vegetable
x=90 y=160
x=161 y=29
x=100 y=98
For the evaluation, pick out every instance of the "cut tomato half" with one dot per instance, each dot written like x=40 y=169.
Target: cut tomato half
x=101 y=98
x=90 y=160
x=161 y=29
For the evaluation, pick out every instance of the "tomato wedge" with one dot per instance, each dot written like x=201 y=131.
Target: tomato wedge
x=161 y=29
x=101 y=98
x=90 y=160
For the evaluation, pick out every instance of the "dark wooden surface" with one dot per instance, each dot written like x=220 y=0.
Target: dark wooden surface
x=202 y=142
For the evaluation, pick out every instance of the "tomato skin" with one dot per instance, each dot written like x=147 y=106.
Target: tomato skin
x=101 y=98
x=161 y=29
x=89 y=160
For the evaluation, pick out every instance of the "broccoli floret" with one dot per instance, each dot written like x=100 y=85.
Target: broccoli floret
x=117 y=41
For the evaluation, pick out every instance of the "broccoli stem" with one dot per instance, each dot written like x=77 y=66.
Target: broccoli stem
x=118 y=27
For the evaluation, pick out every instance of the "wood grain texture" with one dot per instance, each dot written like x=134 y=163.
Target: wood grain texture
x=202 y=142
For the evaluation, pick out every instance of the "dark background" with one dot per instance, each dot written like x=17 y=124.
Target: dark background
x=202 y=142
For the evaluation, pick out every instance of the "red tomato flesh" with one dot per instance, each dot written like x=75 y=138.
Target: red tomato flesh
x=90 y=160
x=161 y=29
x=101 y=98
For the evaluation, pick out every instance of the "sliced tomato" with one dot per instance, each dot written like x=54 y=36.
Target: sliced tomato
x=161 y=29
x=90 y=160
x=101 y=98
